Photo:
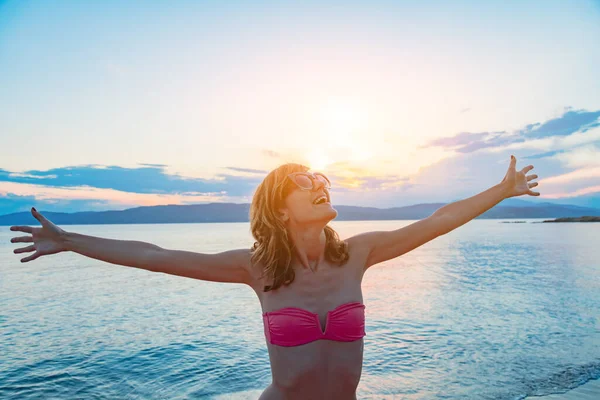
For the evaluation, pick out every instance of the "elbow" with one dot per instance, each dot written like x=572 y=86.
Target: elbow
x=155 y=260
x=444 y=223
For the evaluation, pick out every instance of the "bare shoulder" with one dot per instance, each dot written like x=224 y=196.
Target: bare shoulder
x=243 y=258
x=380 y=246
x=255 y=270
x=358 y=245
x=358 y=251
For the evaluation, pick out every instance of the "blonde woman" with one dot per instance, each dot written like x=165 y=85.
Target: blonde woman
x=307 y=280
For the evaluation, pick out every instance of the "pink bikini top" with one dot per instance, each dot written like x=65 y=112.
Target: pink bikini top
x=292 y=326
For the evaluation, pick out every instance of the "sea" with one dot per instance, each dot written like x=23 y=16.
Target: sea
x=495 y=309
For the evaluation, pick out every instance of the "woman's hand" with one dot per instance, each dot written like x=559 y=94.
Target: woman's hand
x=49 y=239
x=516 y=183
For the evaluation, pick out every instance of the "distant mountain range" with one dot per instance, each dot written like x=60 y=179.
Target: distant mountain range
x=232 y=212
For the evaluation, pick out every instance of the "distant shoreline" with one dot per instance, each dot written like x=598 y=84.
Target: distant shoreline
x=537 y=221
x=233 y=212
x=576 y=219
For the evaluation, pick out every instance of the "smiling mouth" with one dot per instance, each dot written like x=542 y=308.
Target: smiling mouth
x=321 y=200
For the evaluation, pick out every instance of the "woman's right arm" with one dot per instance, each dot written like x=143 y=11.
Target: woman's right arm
x=229 y=266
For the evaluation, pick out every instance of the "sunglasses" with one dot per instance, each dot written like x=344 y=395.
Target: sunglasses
x=308 y=181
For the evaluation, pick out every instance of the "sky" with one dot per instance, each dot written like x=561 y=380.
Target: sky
x=117 y=104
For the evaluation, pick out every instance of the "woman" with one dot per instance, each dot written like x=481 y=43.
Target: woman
x=307 y=280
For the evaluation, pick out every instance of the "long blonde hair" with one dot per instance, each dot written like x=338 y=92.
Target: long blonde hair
x=273 y=249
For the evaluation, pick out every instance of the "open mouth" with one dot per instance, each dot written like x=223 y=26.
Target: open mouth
x=321 y=200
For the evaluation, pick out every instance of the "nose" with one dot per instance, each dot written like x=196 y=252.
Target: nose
x=317 y=183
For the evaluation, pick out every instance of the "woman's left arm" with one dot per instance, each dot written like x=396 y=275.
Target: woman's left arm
x=379 y=246
x=514 y=184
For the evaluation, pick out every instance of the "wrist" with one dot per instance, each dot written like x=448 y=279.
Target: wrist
x=65 y=239
x=505 y=189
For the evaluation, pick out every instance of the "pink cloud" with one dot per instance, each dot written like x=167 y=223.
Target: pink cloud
x=582 y=173
x=47 y=193
x=575 y=193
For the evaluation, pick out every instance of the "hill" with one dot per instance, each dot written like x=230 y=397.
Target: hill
x=232 y=212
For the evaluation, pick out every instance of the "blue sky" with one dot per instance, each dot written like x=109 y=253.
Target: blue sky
x=116 y=104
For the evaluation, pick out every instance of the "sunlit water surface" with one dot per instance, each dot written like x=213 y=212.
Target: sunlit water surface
x=491 y=310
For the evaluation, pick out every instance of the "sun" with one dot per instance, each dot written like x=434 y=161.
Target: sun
x=342 y=133
x=341 y=120
x=361 y=153
x=318 y=159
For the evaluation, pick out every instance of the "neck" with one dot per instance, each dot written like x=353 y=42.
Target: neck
x=309 y=245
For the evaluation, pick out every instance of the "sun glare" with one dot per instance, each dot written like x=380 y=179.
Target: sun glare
x=342 y=120
x=318 y=159
x=342 y=132
x=360 y=154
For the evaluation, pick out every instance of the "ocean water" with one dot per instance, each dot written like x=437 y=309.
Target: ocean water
x=490 y=310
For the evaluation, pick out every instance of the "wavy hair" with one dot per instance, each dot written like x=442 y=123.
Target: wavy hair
x=273 y=249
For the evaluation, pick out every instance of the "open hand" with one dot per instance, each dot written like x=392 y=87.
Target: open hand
x=49 y=239
x=516 y=182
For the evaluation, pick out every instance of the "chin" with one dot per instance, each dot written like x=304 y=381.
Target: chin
x=326 y=213
x=332 y=212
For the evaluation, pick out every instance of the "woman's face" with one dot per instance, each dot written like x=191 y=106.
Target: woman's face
x=301 y=208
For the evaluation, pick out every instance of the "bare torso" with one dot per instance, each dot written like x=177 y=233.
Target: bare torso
x=322 y=369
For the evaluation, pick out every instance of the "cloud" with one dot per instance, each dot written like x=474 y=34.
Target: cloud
x=73 y=188
x=582 y=181
x=583 y=173
x=154 y=179
x=99 y=187
x=154 y=165
x=463 y=138
x=368 y=183
x=568 y=174
x=348 y=177
x=575 y=193
x=21 y=175
x=10 y=203
x=249 y=170
x=542 y=155
x=583 y=156
x=107 y=186
x=568 y=123
x=134 y=180
x=22 y=196
x=46 y=193
x=271 y=153
x=555 y=144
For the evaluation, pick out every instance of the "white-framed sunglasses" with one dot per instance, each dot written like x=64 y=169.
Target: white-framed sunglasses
x=307 y=180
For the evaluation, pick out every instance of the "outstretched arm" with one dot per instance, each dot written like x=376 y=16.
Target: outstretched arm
x=514 y=184
x=229 y=266
x=379 y=246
